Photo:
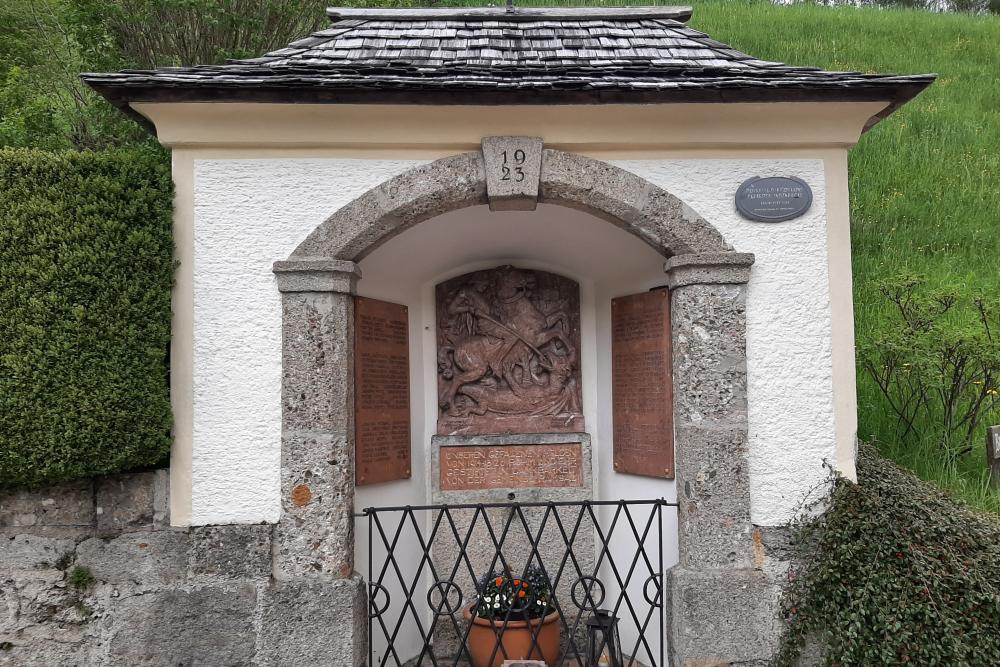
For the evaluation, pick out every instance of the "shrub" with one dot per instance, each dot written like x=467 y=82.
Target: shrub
x=152 y=33
x=937 y=363
x=895 y=572
x=85 y=277
x=43 y=103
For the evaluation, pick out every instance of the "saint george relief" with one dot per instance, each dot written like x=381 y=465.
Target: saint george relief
x=508 y=353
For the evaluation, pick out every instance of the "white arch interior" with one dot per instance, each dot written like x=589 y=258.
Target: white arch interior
x=606 y=261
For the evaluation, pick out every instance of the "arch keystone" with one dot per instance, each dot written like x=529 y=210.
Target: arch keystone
x=513 y=171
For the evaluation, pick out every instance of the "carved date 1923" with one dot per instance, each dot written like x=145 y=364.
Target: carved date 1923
x=515 y=171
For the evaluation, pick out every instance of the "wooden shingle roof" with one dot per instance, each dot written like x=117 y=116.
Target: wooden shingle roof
x=499 y=56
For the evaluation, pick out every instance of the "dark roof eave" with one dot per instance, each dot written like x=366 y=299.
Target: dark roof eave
x=894 y=93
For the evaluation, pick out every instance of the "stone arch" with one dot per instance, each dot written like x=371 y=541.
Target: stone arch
x=720 y=554
x=567 y=179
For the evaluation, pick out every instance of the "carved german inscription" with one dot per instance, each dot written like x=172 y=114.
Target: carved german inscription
x=511 y=467
x=382 y=392
x=641 y=384
x=508 y=353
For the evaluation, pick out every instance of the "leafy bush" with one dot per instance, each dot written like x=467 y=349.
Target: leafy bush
x=937 y=363
x=895 y=572
x=152 y=33
x=85 y=275
x=44 y=45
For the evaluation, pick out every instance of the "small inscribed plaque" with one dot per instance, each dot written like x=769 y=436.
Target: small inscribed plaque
x=641 y=382
x=381 y=392
x=773 y=199
x=511 y=466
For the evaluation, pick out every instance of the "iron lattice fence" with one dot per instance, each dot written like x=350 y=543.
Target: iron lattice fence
x=430 y=567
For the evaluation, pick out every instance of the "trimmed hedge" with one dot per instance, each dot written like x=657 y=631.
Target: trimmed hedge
x=85 y=275
x=896 y=572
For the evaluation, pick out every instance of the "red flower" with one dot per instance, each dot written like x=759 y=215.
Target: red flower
x=499 y=581
x=521 y=594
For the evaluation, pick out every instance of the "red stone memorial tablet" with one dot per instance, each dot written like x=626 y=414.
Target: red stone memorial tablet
x=642 y=384
x=381 y=392
x=465 y=468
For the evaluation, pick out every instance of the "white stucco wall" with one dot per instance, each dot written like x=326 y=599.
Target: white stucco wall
x=789 y=356
x=248 y=213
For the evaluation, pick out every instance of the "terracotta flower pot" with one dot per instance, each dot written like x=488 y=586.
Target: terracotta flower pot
x=515 y=639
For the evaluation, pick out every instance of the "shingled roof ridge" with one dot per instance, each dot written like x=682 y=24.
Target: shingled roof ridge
x=542 y=57
x=342 y=29
x=679 y=13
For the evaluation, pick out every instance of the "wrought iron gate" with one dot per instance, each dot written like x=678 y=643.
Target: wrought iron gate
x=595 y=568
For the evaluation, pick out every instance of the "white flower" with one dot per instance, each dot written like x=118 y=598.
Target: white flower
x=496 y=605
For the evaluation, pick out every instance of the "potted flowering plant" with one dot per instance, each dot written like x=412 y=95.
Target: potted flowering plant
x=515 y=616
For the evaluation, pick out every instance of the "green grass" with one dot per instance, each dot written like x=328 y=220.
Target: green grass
x=925 y=183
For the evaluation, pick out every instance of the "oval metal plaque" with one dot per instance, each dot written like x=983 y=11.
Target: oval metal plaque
x=773 y=199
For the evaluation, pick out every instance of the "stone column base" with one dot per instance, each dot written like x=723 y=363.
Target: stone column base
x=315 y=622
x=718 y=618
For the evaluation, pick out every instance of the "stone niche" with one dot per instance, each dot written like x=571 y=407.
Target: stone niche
x=510 y=418
x=510 y=427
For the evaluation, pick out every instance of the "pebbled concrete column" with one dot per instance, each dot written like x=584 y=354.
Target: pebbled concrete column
x=721 y=609
x=318 y=613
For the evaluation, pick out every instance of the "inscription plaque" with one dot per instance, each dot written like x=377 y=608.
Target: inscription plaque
x=508 y=353
x=773 y=199
x=511 y=466
x=641 y=384
x=382 y=392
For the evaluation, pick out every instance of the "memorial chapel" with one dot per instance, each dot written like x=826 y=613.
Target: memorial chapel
x=468 y=296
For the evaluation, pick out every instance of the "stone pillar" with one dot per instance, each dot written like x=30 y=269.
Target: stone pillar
x=319 y=602
x=721 y=608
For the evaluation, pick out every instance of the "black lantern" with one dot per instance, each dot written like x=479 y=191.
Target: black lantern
x=602 y=630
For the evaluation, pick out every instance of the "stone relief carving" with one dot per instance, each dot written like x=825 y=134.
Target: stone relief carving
x=508 y=353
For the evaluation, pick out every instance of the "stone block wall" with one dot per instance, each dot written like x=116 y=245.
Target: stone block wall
x=92 y=574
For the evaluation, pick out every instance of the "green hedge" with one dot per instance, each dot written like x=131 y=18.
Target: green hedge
x=896 y=572
x=85 y=274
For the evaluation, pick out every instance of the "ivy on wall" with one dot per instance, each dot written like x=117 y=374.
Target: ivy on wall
x=896 y=572
x=85 y=275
